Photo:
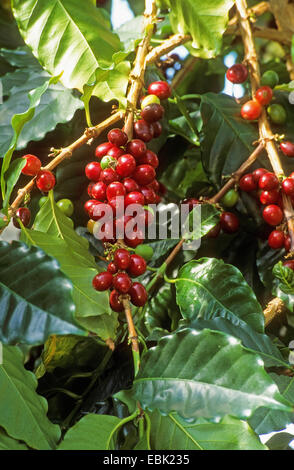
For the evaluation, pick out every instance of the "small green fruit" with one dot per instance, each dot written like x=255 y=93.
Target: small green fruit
x=107 y=162
x=277 y=114
x=42 y=201
x=66 y=206
x=149 y=99
x=146 y=251
x=270 y=78
x=230 y=199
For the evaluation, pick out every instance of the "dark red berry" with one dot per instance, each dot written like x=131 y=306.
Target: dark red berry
x=157 y=129
x=264 y=95
x=117 y=137
x=115 y=189
x=137 y=148
x=103 y=149
x=24 y=214
x=115 y=152
x=108 y=176
x=134 y=239
x=89 y=188
x=289 y=264
x=126 y=164
x=122 y=258
x=134 y=197
x=251 y=110
x=93 y=171
x=32 y=166
x=102 y=281
x=192 y=202
x=137 y=266
x=287 y=148
x=276 y=239
x=152 y=113
x=99 y=191
x=112 y=268
x=45 y=180
x=269 y=197
x=143 y=130
x=144 y=174
x=160 y=89
x=268 y=181
x=287 y=243
x=130 y=185
x=258 y=173
x=88 y=204
x=149 y=195
x=229 y=222
x=214 y=232
x=150 y=158
x=96 y=210
x=288 y=186
x=272 y=215
x=138 y=294
x=114 y=301
x=122 y=283
x=156 y=186
x=238 y=73
x=247 y=183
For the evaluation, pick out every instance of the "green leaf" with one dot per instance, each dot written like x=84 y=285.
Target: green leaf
x=20 y=57
x=283 y=284
x=174 y=433
x=206 y=22
x=68 y=37
x=227 y=139
x=11 y=178
x=161 y=311
x=22 y=410
x=8 y=443
x=30 y=282
x=280 y=441
x=209 y=288
x=205 y=374
x=18 y=121
x=206 y=217
x=92 y=432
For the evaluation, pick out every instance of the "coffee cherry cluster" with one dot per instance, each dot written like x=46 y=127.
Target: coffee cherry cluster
x=45 y=181
x=125 y=174
x=267 y=187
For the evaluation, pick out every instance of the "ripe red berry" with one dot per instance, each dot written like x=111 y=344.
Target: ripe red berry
x=268 y=181
x=138 y=294
x=258 y=173
x=134 y=239
x=137 y=148
x=229 y=222
x=160 y=89
x=112 y=268
x=247 y=183
x=103 y=149
x=272 y=215
x=152 y=113
x=214 y=232
x=150 y=158
x=93 y=171
x=32 y=166
x=117 y=137
x=149 y=195
x=122 y=283
x=276 y=239
x=114 y=301
x=115 y=152
x=45 y=180
x=115 y=189
x=99 y=191
x=96 y=210
x=289 y=264
x=157 y=129
x=102 y=281
x=137 y=266
x=130 y=185
x=287 y=148
x=238 y=73
x=251 y=110
x=108 y=176
x=24 y=214
x=89 y=188
x=269 y=197
x=287 y=243
x=264 y=95
x=122 y=258
x=144 y=174
x=156 y=186
x=88 y=204
x=192 y=202
x=126 y=164
x=134 y=197
x=288 y=186
x=143 y=130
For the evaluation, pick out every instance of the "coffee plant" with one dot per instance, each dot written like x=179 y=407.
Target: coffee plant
x=114 y=336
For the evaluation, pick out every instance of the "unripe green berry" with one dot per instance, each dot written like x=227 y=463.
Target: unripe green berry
x=149 y=99
x=146 y=251
x=277 y=114
x=230 y=199
x=107 y=162
x=270 y=78
x=66 y=206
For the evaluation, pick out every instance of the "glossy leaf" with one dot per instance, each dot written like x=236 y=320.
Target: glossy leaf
x=8 y=443
x=30 y=281
x=161 y=311
x=11 y=177
x=174 y=433
x=209 y=288
x=205 y=374
x=22 y=410
x=283 y=284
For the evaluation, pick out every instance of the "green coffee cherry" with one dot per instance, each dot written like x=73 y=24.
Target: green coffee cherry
x=66 y=206
x=270 y=78
x=230 y=199
x=146 y=251
x=277 y=114
x=149 y=99
x=107 y=162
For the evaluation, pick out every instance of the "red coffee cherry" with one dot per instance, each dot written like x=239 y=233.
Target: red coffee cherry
x=103 y=149
x=287 y=243
x=152 y=113
x=130 y=185
x=288 y=186
x=287 y=148
x=137 y=266
x=269 y=197
x=138 y=294
x=229 y=222
x=264 y=95
x=115 y=302
x=143 y=130
x=134 y=239
x=32 y=166
x=109 y=175
x=112 y=268
x=88 y=204
x=99 y=191
x=214 y=232
x=115 y=189
x=258 y=173
x=93 y=171
x=150 y=158
x=45 y=181
x=238 y=73
x=247 y=183
x=144 y=174
x=89 y=189
x=268 y=181
x=117 y=137
x=122 y=283
x=160 y=89
x=157 y=129
x=289 y=264
x=272 y=215
x=149 y=195
x=276 y=239
x=192 y=202
x=134 y=197
x=251 y=110
x=24 y=214
x=137 y=148
x=156 y=186
x=122 y=258
x=115 y=152
x=126 y=165
x=93 y=211
x=102 y=281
